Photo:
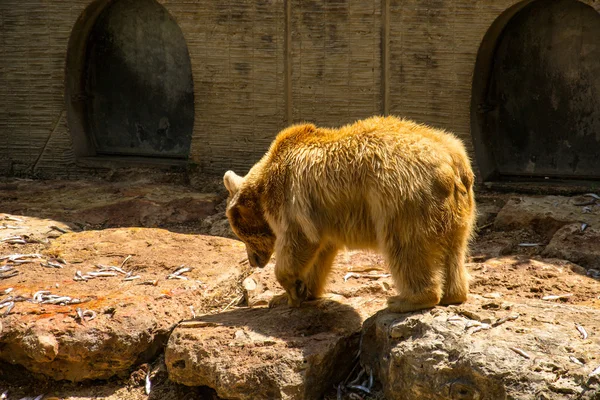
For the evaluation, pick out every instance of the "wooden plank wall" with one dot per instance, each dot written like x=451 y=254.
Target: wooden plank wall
x=258 y=65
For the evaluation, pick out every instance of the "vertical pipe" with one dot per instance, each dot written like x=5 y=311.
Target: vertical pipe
x=288 y=61
x=385 y=56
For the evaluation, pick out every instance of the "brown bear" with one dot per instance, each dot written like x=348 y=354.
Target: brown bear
x=383 y=183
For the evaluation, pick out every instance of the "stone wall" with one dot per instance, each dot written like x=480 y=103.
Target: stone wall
x=257 y=66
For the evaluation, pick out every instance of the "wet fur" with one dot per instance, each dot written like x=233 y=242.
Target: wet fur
x=382 y=183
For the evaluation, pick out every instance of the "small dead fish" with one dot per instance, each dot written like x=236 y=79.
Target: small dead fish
x=11 y=227
x=79 y=313
x=7 y=290
x=505 y=319
x=586 y=210
x=10 y=238
x=57 y=300
x=583 y=226
x=132 y=278
x=185 y=278
x=472 y=323
x=181 y=271
x=582 y=331
x=360 y=387
x=79 y=277
x=481 y=328
x=104 y=268
x=50 y=264
x=575 y=360
x=125 y=260
x=520 y=352
x=4 y=395
x=152 y=282
x=370 y=379
x=595 y=372
x=558 y=296
x=529 y=244
x=148 y=385
x=594 y=195
x=376 y=276
x=9 y=275
x=90 y=313
x=13 y=257
x=59 y=229
x=455 y=318
x=6 y=304
x=593 y=272
x=351 y=275
x=11 y=218
x=37 y=296
x=193 y=312
x=102 y=274
x=9 y=306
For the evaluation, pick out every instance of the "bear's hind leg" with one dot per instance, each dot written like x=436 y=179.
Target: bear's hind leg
x=316 y=275
x=416 y=269
x=456 y=286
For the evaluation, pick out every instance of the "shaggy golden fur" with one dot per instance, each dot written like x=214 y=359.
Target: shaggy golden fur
x=382 y=183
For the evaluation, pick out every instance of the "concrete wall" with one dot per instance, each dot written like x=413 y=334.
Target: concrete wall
x=257 y=66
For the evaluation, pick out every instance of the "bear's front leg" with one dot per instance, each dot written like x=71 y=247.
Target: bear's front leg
x=294 y=254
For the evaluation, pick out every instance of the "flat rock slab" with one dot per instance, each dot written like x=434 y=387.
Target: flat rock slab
x=132 y=320
x=436 y=354
x=101 y=204
x=547 y=214
x=577 y=243
x=281 y=353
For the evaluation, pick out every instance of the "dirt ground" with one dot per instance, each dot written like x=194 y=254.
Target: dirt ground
x=40 y=212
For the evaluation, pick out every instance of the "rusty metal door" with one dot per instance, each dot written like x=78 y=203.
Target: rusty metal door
x=139 y=86
x=544 y=93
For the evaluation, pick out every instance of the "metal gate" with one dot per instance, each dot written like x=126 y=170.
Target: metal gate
x=139 y=82
x=543 y=100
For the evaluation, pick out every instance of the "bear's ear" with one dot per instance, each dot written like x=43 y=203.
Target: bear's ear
x=232 y=182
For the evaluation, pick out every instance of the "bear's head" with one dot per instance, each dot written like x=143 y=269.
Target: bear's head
x=247 y=220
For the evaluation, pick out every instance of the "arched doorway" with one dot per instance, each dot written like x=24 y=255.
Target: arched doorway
x=133 y=90
x=536 y=95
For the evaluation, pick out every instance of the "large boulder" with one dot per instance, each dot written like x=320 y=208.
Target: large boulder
x=445 y=354
x=281 y=353
x=547 y=214
x=133 y=319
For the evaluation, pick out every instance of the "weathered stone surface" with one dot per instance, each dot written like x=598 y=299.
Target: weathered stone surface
x=132 y=320
x=576 y=245
x=435 y=355
x=261 y=353
x=280 y=353
x=546 y=214
x=108 y=204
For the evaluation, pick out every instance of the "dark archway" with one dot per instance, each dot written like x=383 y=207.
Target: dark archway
x=536 y=92
x=129 y=82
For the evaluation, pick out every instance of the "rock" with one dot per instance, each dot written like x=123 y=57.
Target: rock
x=261 y=353
x=433 y=355
x=217 y=225
x=279 y=353
x=40 y=347
x=545 y=214
x=573 y=244
x=132 y=320
x=111 y=204
x=486 y=212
